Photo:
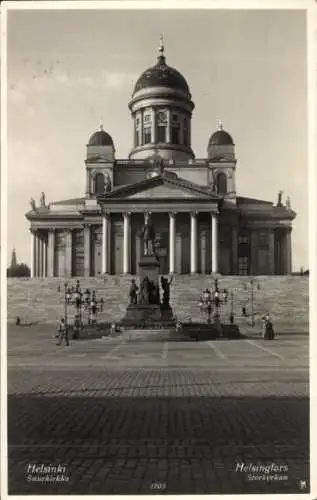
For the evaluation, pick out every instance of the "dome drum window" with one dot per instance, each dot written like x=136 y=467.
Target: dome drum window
x=161 y=126
x=147 y=136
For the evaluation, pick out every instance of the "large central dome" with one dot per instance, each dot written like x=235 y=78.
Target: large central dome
x=161 y=75
x=161 y=109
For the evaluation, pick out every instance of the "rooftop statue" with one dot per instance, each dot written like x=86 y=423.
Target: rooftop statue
x=42 y=200
x=279 y=199
x=32 y=203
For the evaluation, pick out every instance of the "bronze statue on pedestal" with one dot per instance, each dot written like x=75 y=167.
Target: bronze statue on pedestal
x=148 y=234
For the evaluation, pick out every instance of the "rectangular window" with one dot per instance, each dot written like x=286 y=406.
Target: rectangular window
x=186 y=132
x=161 y=134
x=175 y=135
x=147 y=135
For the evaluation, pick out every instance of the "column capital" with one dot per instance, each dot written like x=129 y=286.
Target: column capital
x=172 y=214
x=126 y=214
x=194 y=213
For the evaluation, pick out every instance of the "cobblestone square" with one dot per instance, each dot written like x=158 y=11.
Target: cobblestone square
x=118 y=416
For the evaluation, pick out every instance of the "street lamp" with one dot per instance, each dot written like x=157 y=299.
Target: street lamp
x=207 y=299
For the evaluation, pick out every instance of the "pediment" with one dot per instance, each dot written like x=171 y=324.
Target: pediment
x=166 y=191
x=162 y=187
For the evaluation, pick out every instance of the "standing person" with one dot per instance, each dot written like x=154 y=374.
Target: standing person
x=63 y=333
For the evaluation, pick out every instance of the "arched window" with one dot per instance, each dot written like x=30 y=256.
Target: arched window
x=221 y=183
x=99 y=184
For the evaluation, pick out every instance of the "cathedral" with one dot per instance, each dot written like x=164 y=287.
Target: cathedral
x=201 y=223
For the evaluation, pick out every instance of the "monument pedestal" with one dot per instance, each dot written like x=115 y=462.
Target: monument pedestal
x=156 y=314
x=139 y=314
x=149 y=266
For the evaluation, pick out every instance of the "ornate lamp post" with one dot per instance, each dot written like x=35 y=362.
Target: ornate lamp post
x=74 y=296
x=216 y=298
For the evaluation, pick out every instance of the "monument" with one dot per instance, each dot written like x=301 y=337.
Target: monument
x=146 y=306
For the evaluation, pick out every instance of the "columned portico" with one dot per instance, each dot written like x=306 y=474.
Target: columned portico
x=193 y=242
x=172 y=241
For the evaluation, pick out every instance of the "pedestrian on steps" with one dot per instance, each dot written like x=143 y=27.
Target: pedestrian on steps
x=63 y=333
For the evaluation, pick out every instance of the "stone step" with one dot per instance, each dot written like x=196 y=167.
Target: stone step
x=285 y=297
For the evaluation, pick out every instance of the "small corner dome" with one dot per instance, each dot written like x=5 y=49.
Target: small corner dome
x=100 y=138
x=220 y=138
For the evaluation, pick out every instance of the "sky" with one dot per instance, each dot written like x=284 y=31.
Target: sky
x=67 y=69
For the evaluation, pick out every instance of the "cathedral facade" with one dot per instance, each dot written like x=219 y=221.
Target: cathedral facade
x=202 y=225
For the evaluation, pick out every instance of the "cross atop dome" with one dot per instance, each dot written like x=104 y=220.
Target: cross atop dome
x=101 y=124
x=161 y=48
x=220 y=125
x=161 y=57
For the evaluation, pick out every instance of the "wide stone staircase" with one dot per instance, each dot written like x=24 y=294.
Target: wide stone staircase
x=286 y=298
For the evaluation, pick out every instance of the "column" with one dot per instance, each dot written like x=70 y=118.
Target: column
x=271 y=256
x=105 y=254
x=172 y=242
x=138 y=252
x=234 y=250
x=38 y=255
x=193 y=242
x=169 y=127
x=45 y=257
x=51 y=253
x=33 y=249
x=153 y=131
x=126 y=243
x=142 y=127
x=87 y=250
x=203 y=252
x=287 y=243
x=68 y=252
x=214 y=243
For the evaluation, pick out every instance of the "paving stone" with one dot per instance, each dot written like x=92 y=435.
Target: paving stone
x=123 y=429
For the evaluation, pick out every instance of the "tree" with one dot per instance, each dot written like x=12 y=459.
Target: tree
x=19 y=271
